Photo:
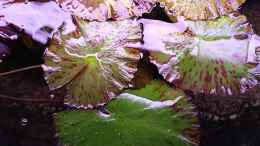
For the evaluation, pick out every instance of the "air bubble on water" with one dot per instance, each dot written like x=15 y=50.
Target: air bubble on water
x=52 y=96
x=24 y=121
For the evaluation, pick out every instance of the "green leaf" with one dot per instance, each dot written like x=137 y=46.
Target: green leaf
x=130 y=124
x=93 y=63
x=157 y=90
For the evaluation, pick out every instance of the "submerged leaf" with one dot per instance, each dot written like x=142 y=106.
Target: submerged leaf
x=93 y=63
x=157 y=90
x=208 y=57
x=102 y=10
x=201 y=9
x=131 y=123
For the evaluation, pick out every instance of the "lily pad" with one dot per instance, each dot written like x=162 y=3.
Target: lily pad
x=200 y=9
x=225 y=27
x=36 y=24
x=93 y=62
x=213 y=76
x=130 y=123
x=102 y=10
x=197 y=60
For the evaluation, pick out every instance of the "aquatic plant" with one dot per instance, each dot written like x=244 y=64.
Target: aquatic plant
x=95 y=52
x=93 y=62
x=200 y=9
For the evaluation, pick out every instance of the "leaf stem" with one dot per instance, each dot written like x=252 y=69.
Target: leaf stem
x=20 y=70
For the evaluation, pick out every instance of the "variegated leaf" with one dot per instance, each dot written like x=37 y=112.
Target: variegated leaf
x=93 y=63
x=225 y=27
x=102 y=10
x=208 y=57
x=37 y=19
x=200 y=9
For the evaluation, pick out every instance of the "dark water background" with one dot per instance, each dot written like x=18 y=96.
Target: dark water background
x=22 y=125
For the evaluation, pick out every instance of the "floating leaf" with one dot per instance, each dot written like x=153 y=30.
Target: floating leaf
x=103 y=10
x=225 y=27
x=200 y=9
x=213 y=76
x=38 y=19
x=130 y=123
x=93 y=63
x=197 y=60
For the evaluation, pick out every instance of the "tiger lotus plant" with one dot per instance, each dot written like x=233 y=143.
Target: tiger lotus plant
x=200 y=9
x=102 y=10
x=96 y=49
x=93 y=62
x=208 y=57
